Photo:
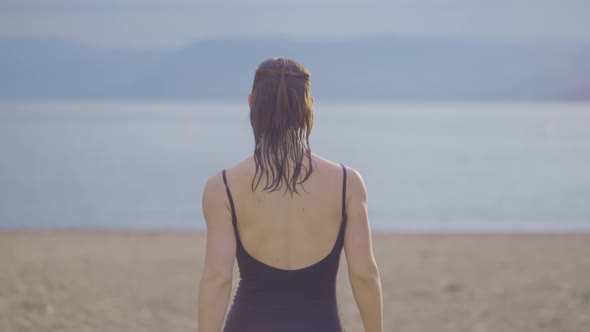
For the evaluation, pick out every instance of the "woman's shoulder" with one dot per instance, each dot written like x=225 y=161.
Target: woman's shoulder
x=326 y=164
x=240 y=169
x=215 y=181
x=352 y=174
x=244 y=170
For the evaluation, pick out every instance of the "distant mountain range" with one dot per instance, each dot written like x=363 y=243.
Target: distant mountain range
x=379 y=68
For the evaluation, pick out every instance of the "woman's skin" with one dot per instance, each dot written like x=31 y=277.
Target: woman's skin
x=287 y=232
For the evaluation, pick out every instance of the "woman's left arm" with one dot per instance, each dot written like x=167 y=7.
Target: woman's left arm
x=220 y=253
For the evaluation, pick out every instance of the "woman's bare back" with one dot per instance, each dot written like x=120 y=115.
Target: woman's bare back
x=283 y=231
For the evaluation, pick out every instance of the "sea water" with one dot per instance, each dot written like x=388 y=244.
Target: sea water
x=426 y=165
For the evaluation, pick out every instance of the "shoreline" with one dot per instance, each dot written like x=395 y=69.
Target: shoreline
x=400 y=231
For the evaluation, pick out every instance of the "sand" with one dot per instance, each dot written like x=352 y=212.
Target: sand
x=107 y=281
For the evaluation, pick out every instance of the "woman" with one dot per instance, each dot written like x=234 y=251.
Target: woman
x=285 y=214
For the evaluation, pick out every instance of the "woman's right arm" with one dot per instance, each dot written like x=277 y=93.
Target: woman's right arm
x=362 y=269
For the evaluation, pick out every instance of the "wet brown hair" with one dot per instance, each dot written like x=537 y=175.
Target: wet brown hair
x=281 y=116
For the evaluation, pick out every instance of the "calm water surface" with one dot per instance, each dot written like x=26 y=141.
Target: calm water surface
x=427 y=166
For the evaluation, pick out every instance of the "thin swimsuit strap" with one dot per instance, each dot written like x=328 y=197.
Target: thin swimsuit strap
x=235 y=218
x=343 y=226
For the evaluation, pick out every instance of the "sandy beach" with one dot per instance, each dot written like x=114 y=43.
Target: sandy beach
x=109 y=281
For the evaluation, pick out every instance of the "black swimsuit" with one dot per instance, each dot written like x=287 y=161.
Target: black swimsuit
x=270 y=299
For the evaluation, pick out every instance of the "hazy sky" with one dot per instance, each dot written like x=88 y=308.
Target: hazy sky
x=173 y=23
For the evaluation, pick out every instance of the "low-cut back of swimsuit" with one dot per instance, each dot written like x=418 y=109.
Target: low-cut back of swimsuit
x=269 y=299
